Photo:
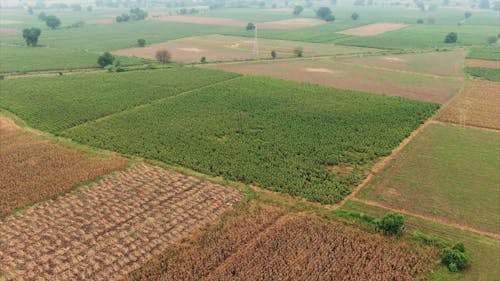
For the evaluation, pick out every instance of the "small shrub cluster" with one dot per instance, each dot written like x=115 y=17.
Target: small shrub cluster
x=455 y=258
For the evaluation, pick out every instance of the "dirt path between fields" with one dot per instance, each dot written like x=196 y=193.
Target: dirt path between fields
x=429 y=218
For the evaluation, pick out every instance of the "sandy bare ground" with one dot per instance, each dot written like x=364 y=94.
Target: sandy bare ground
x=355 y=77
x=108 y=229
x=482 y=63
x=9 y=30
x=4 y=21
x=478 y=105
x=228 y=48
x=372 y=29
x=288 y=24
x=33 y=168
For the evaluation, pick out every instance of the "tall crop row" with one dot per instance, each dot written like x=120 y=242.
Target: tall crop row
x=305 y=140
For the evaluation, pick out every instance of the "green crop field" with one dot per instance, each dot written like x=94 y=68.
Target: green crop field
x=461 y=177
x=22 y=58
x=424 y=36
x=485 y=53
x=483 y=250
x=491 y=74
x=57 y=103
x=301 y=139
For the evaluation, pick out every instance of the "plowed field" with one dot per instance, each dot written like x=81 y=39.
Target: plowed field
x=105 y=230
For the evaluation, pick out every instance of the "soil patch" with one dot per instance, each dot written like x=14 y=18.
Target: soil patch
x=372 y=29
x=482 y=63
x=9 y=30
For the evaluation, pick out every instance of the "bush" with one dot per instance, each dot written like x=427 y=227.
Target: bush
x=31 y=36
x=273 y=54
x=391 y=224
x=325 y=13
x=451 y=38
x=299 y=52
x=297 y=10
x=492 y=40
x=250 y=26
x=354 y=16
x=52 y=21
x=105 y=59
x=456 y=259
x=420 y=21
x=141 y=42
x=163 y=56
x=203 y=60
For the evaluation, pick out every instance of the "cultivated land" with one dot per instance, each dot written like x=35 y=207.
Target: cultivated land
x=33 y=169
x=334 y=73
x=105 y=230
x=476 y=106
x=372 y=29
x=273 y=133
x=483 y=250
x=86 y=97
x=461 y=177
x=435 y=63
x=264 y=242
x=482 y=63
x=230 y=48
x=485 y=53
x=492 y=74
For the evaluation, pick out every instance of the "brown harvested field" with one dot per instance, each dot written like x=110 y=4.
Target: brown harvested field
x=482 y=63
x=106 y=230
x=33 y=169
x=436 y=63
x=355 y=77
x=263 y=243
x=226 y=48
x=4 y=21
x=372 y=29
x=478 y=105
x=9 y=30
x=283 y=24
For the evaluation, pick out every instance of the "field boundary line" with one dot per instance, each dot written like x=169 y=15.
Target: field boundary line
x=428 y=218
x=152 y=103
x=446 y=123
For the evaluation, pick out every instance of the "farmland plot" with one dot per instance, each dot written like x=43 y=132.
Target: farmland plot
x=372 y=29
x=33 y=169
x=266 y=244
x=57 y=103
x=105 y=230
x=436 y=63
x=355 y=77
x=285 y=136
x=483 y=63
x=448 y=172
x=223 y=48
x=477 y=105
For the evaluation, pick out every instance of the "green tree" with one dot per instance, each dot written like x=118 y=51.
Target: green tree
x=42 y=16
x=250 y=26
x=141 y=42
x=105 y=59
x=354 y=16
x=297 y=10
x=203 y=60
x=420 y=21
x=455 y=258
x=31 y=36
x=30 y=11
x=273 y=54
x=52 y=21
x=451 y=38
x=492 y=40
x=123 y=18
x=391 y=224
x=325 y=13
x=138 y=14
x=467 y=14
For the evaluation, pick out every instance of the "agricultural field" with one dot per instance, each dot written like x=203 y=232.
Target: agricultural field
x=476 y=106
x=34 y=169
x=230 y=48
x=461 y=177
x=483 y=249
x=482 y=63
x=262 y=243
x=491 y=74
x=96 y=95
x=434 y=63
x=484 y=53
x=272 y=133
x=24 y=59
x=330 y=72
x=372 y=29
x=104 y=230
